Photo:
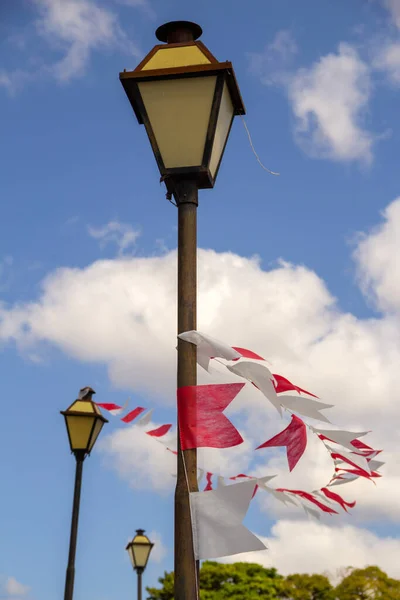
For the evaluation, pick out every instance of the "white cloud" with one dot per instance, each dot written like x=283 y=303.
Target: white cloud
x=393 y=7
x=388 y=59
x=377 y=256
x=308 y=547
x=271 y=65
x=285 y=314
x=77 y=27
x=74 y=29
x=15 y=589
x=159 y=551
x=122 y=234
x=329 y=100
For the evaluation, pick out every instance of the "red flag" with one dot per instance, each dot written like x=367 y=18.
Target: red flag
x=310 y=497
x=361 y=473
x=338 y=499
x=160 y=431
x=294 y=437
x=202 y=423
x=208 y=487
x=109 y=406
x=247 y=354
x=284 y=385
x=133 y=414
x=337 y=456
x=365 y=450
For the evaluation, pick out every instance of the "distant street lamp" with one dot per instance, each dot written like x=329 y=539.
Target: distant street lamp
x=187 y=101
x=84 y=422
x=139 y=551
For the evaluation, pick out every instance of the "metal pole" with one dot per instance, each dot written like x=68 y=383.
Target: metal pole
x=139 y=584
x=70 y=576
x=186 y=568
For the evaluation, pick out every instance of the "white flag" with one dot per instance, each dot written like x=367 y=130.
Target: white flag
x=145 y=420
x=208 y=347
x=305 y=406
x=217 y=518
x=344 y=438
x=259 y=374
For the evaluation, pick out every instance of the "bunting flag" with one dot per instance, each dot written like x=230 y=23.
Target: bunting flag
x=133 y=414
x=277 y=494
x=359 y=462
x=310 y=511
x=305 y=406
x=202 y=423
x=341 y=479
x=310 y=497
x=112 y=408
x=336 y=498
x=261 y=376
x=344 y=438
x=160 y=431
x=284 y=385
x=209 y=486
x=294 y=437
x=208 y=347
x=362 y=473
x=145 y=419
x=247 y=354
x=217 y=521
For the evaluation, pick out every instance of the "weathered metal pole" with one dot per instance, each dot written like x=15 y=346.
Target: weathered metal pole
x=186 y=197
x=70 y=576
x=139 y=584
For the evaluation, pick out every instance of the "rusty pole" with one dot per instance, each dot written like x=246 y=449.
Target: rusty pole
x=186 y=568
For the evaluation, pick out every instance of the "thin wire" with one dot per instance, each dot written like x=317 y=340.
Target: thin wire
x=254 y=150
x=191 y=519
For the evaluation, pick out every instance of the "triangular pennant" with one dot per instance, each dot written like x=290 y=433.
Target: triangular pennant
x=145 y=420
x=208 y=347
x=209 y=486
x=278 y=495
x=133 y=414
x=294 y=437
x=342 y=478
x=310 y=498
x=344 y=438
x=352 y=459
x=305 y=406
x=217 y=521
x=202 y=423
x=160 y=431
x=247 y=354
x=284 y=385
x=336 y=498
x=261 y=376
x=310 y=511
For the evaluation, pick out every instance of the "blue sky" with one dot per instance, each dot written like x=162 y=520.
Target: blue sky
x=87 y=269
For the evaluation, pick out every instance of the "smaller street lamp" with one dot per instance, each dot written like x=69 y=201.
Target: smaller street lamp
x=84 y=422
x=139 y=551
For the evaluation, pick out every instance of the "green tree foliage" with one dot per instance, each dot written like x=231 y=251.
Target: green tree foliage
x=368 y=584
x=307 y=587
x=246 y=581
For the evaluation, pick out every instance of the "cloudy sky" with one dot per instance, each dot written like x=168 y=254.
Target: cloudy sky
x=302 y=268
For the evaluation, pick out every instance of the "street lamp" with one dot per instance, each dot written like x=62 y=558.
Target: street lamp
x=139 y=551
x=84 y=422
x=186 y=100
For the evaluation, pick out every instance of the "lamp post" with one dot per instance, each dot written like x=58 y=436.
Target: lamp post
x=139 y=551
x=186 y=100
x=84 y=422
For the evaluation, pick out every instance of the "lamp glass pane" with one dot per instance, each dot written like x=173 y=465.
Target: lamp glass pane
x=179 y=112
x=141 y=554
x=224 y=121
x=79 y=428
x=97 y=428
